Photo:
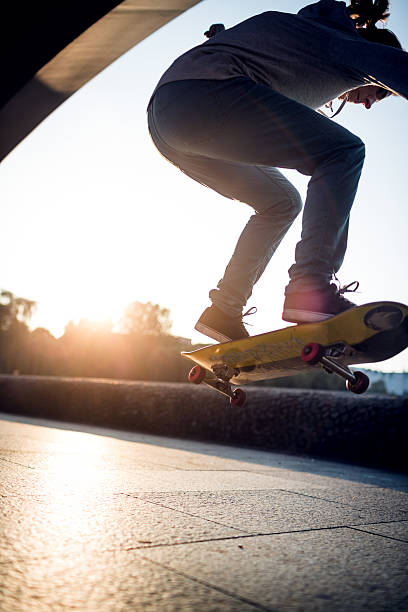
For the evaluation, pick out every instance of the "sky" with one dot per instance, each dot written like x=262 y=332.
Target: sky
x=93 y=218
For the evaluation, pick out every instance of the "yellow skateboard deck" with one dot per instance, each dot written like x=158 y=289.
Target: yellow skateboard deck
x=364 y=334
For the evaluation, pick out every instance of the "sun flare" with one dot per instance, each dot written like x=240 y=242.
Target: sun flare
x=98 y=313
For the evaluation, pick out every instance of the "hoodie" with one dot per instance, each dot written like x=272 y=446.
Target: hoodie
x=312 y=57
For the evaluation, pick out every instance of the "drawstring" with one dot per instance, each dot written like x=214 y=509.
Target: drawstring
x=330 y=106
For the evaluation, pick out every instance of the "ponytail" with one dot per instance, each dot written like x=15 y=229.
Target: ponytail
x=214 y=29
x=365 y=14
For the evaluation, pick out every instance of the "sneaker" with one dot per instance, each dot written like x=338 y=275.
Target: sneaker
x=318 y=305
x=221 y=327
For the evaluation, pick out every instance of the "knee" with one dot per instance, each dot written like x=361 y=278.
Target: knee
x=289 y=205
x=296 y=203
x=357 y=150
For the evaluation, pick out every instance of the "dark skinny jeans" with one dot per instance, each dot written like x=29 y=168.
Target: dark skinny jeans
x=230 y=135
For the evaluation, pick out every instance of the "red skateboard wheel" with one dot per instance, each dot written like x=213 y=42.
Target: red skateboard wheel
x=196 y=375
x=312 y=353
x=361 y=385
x=239 y=398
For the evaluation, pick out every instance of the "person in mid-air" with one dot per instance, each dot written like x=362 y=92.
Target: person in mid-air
x=231 y=111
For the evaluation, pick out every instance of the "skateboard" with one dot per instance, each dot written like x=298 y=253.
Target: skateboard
x=364 y=334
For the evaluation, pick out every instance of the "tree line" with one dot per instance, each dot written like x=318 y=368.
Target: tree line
x=142 y=349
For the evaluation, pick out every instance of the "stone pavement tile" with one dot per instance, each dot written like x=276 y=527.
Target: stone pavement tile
x=68 y=470
x=118 y=581
x=17 y=479
x=398 y=530
x=123 y=461
x=59 y=450
x=180 y=454
x=391 y=503
x=196 y=455
x=132 y=450
x=201 y=480
x=336 y=569
x=49 y=525
x=35 y=445
x=269 y=511
x=321 y=472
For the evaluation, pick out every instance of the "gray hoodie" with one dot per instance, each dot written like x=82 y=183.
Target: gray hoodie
x=312 y=57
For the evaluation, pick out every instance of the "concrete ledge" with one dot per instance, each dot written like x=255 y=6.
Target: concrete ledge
x=371 y=430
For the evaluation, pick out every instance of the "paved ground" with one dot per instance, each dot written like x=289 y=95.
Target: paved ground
x=95 y=519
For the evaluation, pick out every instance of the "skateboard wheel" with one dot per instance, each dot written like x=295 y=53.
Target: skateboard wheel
x=238 y=398
x=361 y=385
x=312 y=353
x=196 y=375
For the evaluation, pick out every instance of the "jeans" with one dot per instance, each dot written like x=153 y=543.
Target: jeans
x=231 y=135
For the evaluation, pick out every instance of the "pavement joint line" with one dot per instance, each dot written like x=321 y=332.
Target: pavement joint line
x=197 y=516
x=385 y=522
x=29 y=467
x=331 y=501
x=338 y=503
x=217 y=539
x=209 y=585
x=138 y=550
x=239 y=537
x=381 y=535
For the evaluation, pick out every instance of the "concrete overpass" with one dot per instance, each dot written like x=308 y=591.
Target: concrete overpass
x=51 y=49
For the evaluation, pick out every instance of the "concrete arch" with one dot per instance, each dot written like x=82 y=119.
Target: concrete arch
x=52 y=49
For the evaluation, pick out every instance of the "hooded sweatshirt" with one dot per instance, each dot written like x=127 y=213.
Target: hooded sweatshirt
x=312 y=57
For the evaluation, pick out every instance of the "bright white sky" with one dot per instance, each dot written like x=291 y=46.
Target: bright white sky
x=94 y=218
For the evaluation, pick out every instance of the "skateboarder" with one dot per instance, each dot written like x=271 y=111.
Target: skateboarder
x=231 y=111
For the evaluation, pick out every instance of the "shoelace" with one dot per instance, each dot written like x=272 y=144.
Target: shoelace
x=350 y=288
x=251 y=311
x=346 y=288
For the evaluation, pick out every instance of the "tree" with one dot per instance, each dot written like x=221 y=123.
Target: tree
x=14 y=311
x=44 y=353
x=146 y=319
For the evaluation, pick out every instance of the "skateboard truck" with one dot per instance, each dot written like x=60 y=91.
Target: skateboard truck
x=219 y=379
x=314 y=353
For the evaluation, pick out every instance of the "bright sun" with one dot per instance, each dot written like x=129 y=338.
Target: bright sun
x=99 y=312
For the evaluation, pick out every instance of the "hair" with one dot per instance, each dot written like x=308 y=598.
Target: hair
x=365 y=14
x=214 y=29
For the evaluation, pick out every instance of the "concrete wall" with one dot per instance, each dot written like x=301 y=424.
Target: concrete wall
x=370 y=429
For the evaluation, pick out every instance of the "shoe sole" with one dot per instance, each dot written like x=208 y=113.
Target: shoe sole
x=211 y=333
x=305 y=316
